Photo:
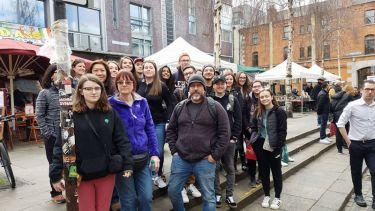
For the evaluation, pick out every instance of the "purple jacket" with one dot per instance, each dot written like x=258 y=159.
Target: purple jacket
x=138 y=124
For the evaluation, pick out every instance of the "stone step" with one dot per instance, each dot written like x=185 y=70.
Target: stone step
x=245 y=195
x=294 y=146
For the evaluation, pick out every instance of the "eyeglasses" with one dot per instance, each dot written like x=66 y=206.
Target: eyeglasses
x=90 y=89
x=368 y=89
x=242 y=77
x=257 y=86
x=124 y=83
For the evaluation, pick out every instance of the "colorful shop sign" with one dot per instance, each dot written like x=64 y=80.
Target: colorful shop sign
x=31 y=34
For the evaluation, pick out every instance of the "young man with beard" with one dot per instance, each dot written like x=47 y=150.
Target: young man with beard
x=183 y=61
x=208 y=73
x=197 y=138
x=234 y=112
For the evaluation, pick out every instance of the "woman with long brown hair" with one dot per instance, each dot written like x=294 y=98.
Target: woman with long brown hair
x=100 y=68
x=269 y=132
x=99 y=135
x=161 y=104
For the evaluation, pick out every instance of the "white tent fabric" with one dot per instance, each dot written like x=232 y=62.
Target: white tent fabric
x=169 y=55
x=279 y=72
x=318 y=71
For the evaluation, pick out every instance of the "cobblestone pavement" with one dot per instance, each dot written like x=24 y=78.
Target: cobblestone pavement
x=367 y=194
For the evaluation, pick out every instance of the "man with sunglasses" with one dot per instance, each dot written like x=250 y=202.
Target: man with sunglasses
x=361 y=138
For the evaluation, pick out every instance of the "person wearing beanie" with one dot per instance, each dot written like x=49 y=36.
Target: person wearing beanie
x=198 y=135
x=208 y=73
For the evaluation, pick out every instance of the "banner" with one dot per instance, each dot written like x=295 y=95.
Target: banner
x=29 y=34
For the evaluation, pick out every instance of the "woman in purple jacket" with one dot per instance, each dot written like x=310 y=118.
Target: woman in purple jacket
x=135 y=192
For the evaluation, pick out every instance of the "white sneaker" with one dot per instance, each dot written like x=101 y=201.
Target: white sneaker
x=276 y=203
x=185 y=198
x=194 y=191
x=284 y=164
x=160 y=182
x=266 y=202
x=290 y=159
x=324 y=141
x=328 y=139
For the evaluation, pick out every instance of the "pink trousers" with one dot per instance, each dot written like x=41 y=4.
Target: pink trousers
x=96 y=194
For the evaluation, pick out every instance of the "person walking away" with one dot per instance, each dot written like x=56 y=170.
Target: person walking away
x=198 y=135
x=314 y=94
x=99 y=136
x=339 y=101
x=135 y=192
x=361 y=138
x=47 y=113
x=322 y=109
x=269 y=131
x=234 y=112
x=161 y=104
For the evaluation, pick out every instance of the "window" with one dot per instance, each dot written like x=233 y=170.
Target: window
x=285 y=53
x=226 y=23
x=84 y=27
x=140 y=20
x=192 y=17
x=115 y=14
x=369 y=44
x=309 y=52
x=326 y=51
x=24 y=12
x=285 y=32
x=309 y=29
x=301 y=29
x=255 y=59
x=255 y=38
x=169 y=17
x=370 y=16
x=141 y=47
x=301 y=52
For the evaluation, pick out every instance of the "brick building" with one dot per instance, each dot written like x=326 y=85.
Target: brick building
x=321 y=32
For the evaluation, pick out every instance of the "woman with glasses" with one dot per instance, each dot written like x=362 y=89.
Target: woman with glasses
x=99 y=134
x=135 y=192
x=161 y=104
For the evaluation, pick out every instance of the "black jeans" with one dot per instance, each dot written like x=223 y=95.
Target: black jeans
x=240 y=151
x=251 y=169
x=358 y=151
x=48 y=145
x=269 y=161
x=339 y=139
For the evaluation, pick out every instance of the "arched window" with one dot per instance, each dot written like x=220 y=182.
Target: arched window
x=369 y=44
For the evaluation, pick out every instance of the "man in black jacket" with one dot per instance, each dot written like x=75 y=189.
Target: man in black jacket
x=183 y=61
x=322 y=109
x=233 y=109
x=197 y=138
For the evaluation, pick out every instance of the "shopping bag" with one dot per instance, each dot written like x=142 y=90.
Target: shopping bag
x=250 y=154
x=332 y=129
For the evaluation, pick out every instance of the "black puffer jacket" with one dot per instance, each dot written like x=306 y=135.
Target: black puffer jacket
x=339 y=102
x=276 y=127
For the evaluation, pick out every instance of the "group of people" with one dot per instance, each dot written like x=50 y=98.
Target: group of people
x=129 y=110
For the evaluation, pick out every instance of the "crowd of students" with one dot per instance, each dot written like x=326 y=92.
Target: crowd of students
x=124 y=109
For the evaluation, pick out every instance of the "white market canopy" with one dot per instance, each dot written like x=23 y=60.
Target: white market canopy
x=318 y=71
x=169 y=56
x=279 y=72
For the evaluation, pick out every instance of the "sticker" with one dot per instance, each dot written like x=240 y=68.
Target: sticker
x=106 y=121
x=73 y=171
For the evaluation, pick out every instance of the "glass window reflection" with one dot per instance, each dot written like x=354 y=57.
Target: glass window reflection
x=24 y=12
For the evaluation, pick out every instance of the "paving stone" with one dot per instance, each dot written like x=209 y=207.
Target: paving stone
x=332 y=200
x=341 y=186
x=320 y=208
x=307 y=191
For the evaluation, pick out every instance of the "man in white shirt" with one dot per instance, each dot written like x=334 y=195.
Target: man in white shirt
x=361 y=139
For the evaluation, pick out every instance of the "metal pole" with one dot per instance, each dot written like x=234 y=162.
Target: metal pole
x=217 y=32
x=288 y=81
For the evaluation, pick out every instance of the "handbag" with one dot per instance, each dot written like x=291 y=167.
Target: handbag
x=140 y=161
x=115 y=164
x=250 y=154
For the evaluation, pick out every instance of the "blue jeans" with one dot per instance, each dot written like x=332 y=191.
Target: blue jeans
x=323 y=125
x=160 y=135
x=135 y=192
x=204 y=172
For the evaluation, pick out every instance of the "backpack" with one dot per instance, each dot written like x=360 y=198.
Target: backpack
x=211 y=107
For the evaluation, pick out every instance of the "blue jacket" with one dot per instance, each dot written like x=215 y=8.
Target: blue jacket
x=138 y=123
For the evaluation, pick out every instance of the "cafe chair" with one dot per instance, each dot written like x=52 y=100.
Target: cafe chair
x=34 y=131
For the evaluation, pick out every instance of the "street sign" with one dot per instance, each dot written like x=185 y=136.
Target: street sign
x=80 y=2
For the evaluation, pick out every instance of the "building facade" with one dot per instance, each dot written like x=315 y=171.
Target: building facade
x=337 y=37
